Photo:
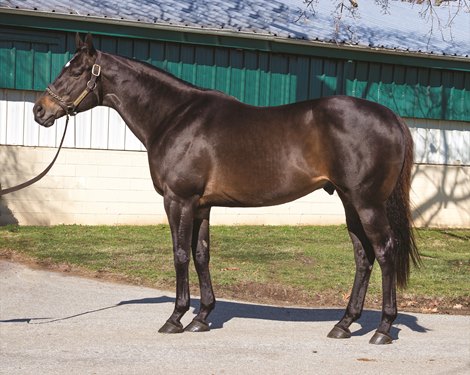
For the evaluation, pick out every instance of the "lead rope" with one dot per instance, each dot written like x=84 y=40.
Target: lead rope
x=43 y=173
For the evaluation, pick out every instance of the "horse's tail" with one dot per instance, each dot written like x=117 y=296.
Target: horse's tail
x=399 y=216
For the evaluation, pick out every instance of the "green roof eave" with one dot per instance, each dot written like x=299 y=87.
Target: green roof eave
x=224 y=38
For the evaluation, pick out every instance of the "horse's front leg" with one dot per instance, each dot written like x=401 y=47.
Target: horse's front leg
x=201 y=256
x=180 y=216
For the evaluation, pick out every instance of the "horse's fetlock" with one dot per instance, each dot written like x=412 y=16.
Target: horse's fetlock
x=208 y=306
x=355 y=315
x=181 y=308
x=390 y=313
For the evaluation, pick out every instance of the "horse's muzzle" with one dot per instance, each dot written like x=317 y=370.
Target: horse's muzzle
x=43 y=116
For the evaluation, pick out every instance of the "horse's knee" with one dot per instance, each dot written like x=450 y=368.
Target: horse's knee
x=181 y=257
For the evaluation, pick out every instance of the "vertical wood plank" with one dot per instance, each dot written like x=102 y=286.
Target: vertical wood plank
x=99 y=127
x=116 y=131
x=3 y=116
x=31 y=127
x=15 y=117
x=222 y=73
x=83 y=130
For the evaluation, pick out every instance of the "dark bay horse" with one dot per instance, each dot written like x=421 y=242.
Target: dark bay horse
x=208 y=149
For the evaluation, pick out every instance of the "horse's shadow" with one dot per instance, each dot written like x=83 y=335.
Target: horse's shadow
x=227 y=310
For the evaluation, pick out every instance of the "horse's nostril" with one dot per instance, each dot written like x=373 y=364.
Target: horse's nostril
x=38 y=110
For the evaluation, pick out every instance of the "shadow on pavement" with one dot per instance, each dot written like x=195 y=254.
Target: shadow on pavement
x=227 y=310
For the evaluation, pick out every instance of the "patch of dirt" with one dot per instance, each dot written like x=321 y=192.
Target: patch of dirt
x=259 y=292
x=73 y=269
x=285 y=295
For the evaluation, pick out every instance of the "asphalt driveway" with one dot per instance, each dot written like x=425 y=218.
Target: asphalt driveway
x=53 y=323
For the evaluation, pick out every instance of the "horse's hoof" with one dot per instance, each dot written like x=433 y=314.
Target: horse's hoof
x=380 y=338
x=339 y=333
x=197 y=326
x=170 y=327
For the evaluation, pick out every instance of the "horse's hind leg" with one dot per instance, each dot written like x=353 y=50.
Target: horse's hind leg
x=200 y=249
x=364 y=257
x=377 y=228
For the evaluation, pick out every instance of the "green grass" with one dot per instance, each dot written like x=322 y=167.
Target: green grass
x=266 y=263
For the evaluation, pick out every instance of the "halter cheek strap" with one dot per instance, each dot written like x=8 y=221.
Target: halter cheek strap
x=71 y=108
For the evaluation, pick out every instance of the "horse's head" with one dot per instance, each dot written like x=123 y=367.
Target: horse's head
x=75 y=89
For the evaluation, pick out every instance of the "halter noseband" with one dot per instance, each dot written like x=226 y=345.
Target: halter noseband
x=71 y=107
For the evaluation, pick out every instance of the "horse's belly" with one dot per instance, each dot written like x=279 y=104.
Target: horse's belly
x=255 y=193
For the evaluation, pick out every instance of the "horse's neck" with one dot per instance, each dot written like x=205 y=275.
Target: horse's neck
x=145 y=98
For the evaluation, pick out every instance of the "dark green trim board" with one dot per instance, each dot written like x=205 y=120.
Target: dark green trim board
x=31 y=58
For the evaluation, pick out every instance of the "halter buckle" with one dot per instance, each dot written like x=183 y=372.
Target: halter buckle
x=91 y=85
x=71 y=110
x=96 y=70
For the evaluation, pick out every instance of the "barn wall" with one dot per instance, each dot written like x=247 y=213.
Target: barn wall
x=102 y=177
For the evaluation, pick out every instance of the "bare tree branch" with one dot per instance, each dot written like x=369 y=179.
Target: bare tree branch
x=308 y=8
x=436 y=20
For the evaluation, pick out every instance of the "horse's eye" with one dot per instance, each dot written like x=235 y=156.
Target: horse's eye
x=75 y=73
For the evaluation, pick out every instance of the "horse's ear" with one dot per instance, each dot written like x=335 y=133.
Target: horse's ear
x=78 y=41
x=89 y=44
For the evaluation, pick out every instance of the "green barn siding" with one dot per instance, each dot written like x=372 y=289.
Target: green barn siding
x=255 y=77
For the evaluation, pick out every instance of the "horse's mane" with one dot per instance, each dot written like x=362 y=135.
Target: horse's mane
x=156 y=72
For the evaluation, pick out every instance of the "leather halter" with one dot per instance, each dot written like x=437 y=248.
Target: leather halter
x=71 y=107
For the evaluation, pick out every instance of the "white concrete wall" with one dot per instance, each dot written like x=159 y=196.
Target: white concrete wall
x=114 y=187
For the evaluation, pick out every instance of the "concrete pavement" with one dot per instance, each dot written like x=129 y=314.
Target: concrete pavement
x=52 y=323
